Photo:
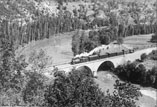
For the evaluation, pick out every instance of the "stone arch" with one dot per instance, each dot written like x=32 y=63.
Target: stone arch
x=86 y=70
x=107 y=65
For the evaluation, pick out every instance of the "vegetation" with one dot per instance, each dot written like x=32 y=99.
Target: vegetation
x=125 y=95
x=154 y=38
x=103 y=37
x=78 y=89
x=137 y=74
x=153 y=55
x=143 y=56
x=18 y=85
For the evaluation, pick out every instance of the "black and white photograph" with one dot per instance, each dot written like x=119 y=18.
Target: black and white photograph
x=78 y=53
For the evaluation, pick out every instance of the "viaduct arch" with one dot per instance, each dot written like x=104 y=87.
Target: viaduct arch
x=106 y=65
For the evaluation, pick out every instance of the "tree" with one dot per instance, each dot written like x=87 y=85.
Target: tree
x=104 y=39
x=154 y=38
x=33 y=93
x=120 y=40
x=76 y=42
x=143 y=56
x=12 y=78
x=125 y=95
x=74 y=90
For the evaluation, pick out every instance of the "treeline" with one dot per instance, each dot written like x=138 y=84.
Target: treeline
x=47 y=26
x=137 y=73
x=20 y=86
x=137 y=29
x=43 y=27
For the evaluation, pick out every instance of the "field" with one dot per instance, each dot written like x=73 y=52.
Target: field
x=138 y=40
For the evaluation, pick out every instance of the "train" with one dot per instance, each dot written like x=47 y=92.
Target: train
x=97 y=56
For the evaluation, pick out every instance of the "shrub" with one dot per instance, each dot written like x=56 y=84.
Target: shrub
x=154 y=38
x=153 y=55
x=143 y=56
x=124 y=95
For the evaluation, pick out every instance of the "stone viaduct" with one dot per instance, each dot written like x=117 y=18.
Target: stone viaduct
x=106 y=63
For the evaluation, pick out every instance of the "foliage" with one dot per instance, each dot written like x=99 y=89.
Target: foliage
x=76 y=43
x=105 y=39
x=124 y=95
x=75 y=89
x=143 y=56
x=120 y=40
x=137 y=74
x=154 y=38
x=12 y=79
x=79 y=89
x=39 y=61
x=19 y=86
x=33 y=93
x=153 y=55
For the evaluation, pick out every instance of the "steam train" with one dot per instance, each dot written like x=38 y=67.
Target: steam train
x=97 y=56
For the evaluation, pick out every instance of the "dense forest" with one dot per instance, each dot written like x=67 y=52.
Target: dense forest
x=40 y=25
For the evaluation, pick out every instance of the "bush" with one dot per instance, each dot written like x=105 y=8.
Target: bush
x=153 y=55
x=154 y=38
x=143 y=56
x=124 y=95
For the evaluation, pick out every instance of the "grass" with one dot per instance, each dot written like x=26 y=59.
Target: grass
x=138 y=40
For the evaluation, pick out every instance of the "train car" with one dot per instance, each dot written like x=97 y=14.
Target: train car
x=119 y=53
x=113 y=54
x=93 y=57
x=84 y=59
x=103 y=56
